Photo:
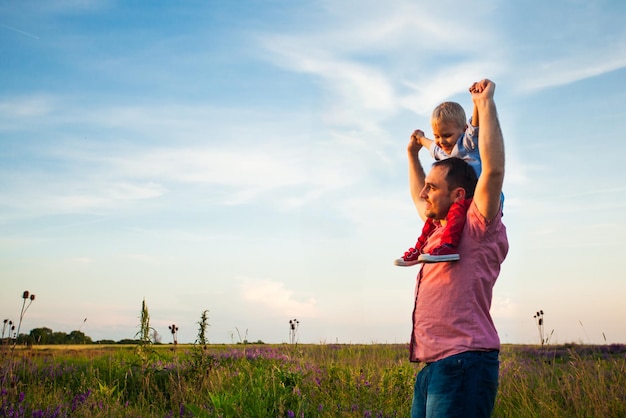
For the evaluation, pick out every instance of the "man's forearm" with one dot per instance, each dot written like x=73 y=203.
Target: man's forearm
x=490 y=139
x=416 y=180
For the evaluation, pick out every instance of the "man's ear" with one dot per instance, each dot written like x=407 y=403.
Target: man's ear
x=459 y=193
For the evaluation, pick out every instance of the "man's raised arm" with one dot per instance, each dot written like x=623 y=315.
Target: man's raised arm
x=416 y=173
x=491 y=146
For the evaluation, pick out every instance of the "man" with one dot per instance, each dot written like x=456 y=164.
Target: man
x=453 y=332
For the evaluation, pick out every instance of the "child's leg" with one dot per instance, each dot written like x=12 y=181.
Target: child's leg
x=427 y=229
x=411 y=257
x=451 y=235
x=455 y=221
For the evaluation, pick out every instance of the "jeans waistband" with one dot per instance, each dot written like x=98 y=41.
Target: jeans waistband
x=476 y=353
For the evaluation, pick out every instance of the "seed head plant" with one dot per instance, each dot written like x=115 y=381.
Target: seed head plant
x=31 y=298
x=540 y=327
x=9 y=328
x=8 y=324
x=202 y=330
x=293 y=330
x=202 y=359
x=144 y=325
x=174 y=330
x=145 y=331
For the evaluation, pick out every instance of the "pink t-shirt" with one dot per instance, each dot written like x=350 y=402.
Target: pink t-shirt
x=452 y=299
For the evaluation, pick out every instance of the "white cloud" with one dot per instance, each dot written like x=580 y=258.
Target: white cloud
x=129 y=191
x=399 y=26
x=234 y=168
x=240 y=176
x=590 y=41
x=365 y=61
x=276 y=298
x=425 y=94
x=564 y=70
x=24 y=107
x=58 y=194
x=143 y=258
x=82 y=260
x=352 y=84
x=504 y=307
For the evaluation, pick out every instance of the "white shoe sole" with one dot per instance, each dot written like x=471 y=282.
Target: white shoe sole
x=400 y=262
x=427 y=258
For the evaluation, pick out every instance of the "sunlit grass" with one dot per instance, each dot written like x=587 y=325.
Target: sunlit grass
x=562 y=381
x=293 y=381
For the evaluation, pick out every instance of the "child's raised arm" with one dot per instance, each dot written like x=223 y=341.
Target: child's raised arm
x=421 y=139
x=475 y=117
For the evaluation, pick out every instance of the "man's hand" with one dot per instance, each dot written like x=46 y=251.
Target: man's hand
x=483 y=89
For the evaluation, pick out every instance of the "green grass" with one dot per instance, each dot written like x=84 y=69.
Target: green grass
x=562 y=381
x=291 y=381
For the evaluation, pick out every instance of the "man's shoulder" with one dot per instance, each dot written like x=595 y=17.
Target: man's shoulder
x=478 y=220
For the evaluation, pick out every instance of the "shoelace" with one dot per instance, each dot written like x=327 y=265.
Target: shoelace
x=412 y=251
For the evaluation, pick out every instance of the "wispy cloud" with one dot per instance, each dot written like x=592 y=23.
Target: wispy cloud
x=563 y=70
x=351 y=85
x=590 y=41
x=82 y=260
x=58 y=194
x=21 y=32
x=424 y=95
x=16 y=109
x=276 y=298
x=504 y=307
x=377 y=61
x=143 y=258
x=238 y=164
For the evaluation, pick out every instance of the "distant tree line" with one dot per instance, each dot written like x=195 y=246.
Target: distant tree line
x=45 y=336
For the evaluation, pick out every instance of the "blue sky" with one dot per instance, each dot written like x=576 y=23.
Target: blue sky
x=249 y=158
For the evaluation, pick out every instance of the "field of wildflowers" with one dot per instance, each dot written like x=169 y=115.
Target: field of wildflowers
x=188 y=381
x=290 y=380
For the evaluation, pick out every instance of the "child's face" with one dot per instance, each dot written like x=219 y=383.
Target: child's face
x=446 y=134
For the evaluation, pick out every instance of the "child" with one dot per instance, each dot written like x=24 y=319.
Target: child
x=453 y=138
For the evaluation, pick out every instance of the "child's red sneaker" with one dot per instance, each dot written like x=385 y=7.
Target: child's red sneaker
x=410 y=258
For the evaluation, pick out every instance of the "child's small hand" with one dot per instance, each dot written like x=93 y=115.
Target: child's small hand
x=417 y=136
x=415 y=144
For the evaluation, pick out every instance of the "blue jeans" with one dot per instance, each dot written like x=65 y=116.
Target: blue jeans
x=462 y=385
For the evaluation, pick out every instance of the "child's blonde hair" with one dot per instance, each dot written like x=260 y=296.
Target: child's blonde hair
x=449 y=112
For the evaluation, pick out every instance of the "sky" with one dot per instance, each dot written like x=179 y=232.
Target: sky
x=249 y=158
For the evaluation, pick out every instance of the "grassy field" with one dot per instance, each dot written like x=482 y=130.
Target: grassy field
x=290 y=381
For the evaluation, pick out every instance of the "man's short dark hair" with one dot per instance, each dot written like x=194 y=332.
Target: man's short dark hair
x=460 y=174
